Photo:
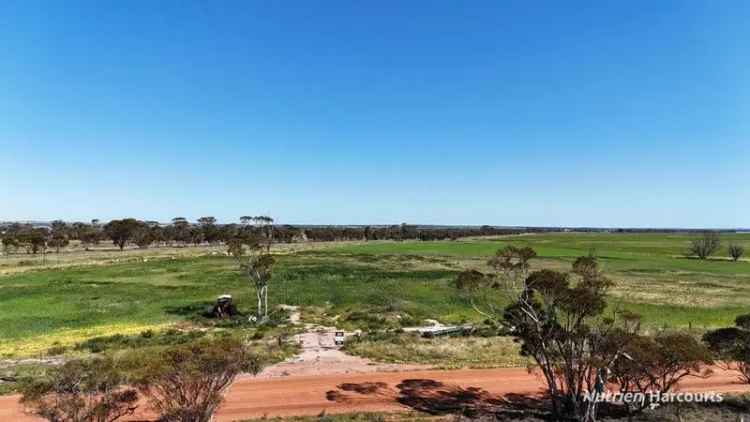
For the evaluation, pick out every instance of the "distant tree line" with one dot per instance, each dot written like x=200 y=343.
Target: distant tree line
x=34 y=239
x=31 y=239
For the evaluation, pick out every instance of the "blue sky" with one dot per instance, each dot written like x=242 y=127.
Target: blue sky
x=510 y=113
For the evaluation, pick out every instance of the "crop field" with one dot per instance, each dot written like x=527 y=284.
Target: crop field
x=651 y=273
x=366 y=285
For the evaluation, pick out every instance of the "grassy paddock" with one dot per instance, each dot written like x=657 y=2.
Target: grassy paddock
x=106 y=253
x=651 y=274
x=359 y=285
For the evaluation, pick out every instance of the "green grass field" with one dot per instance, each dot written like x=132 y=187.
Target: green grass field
x=367 y=284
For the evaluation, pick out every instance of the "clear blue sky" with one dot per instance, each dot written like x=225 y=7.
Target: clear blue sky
x=622 y=113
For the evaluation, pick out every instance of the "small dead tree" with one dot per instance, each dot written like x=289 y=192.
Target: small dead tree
x=736 y=251
x=187 y=383
x=705 y=246
x=80 y=391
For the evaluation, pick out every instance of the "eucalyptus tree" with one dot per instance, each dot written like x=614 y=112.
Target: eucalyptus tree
x=706 y=245
x=122 y=231
x=253 y=254
x=58 y=241
x=35 y=240
x=59 y=236
x=10 y=243
x=180 y=230
x=265 y=224
x=736 y=251
x=209 y=229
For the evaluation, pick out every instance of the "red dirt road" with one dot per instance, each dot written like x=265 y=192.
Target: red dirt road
x=379 y=391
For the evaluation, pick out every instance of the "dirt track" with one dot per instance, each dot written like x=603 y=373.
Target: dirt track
x=319 y=355
x=380 y=391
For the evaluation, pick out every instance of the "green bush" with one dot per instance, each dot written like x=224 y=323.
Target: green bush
x=187 y=382
x=80 y=390
x=144 y=339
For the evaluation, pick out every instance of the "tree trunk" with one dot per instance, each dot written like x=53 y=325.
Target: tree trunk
x=265 y=298
x=260 y=302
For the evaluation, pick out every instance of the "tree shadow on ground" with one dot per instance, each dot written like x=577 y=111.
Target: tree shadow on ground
x=365 y=388
x=436 y=398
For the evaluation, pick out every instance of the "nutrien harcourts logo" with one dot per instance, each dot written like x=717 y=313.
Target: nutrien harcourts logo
x=653 y=398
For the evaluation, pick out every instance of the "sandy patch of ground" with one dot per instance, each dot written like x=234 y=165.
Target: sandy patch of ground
x=321 y=356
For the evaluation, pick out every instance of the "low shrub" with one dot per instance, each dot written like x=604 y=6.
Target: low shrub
x=187 y=382
x=56 y=350
x=144 y=339
x=80 y=390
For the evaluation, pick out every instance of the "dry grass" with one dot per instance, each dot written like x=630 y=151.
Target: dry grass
x=444 y=352
x=75 y=257
x=107 y=254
